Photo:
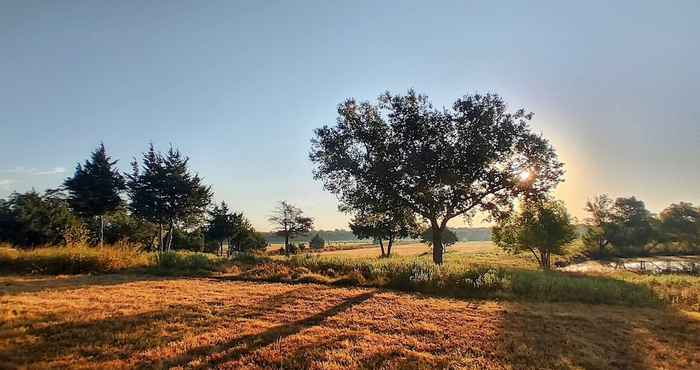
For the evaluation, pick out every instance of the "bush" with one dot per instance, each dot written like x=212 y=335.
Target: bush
x=181 y=262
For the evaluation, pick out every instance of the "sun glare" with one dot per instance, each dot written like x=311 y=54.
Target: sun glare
x=524 y=175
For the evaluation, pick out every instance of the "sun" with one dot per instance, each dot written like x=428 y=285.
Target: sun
x=524 y=175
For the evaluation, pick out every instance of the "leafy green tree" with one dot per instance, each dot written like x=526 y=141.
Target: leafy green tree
x=317 y=242
x=30 y=219
x=94 y=189
x=222 y=226
x=163 y=191
x=448 y=238
x=439 y=163
x=600 y=229
x=633 y=223
x=681 y=223
x=124 y=227
x=387 y=226
x=290 y=222
x=542 y=227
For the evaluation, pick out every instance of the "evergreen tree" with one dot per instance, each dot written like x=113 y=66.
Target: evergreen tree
x=164 y=192
x=94 y=189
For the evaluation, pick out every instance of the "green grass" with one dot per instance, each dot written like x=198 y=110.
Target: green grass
x=477 y=276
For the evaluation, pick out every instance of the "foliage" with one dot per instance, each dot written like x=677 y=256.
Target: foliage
x=439 y=163
x=317 y=242
x=123 y=227
x=94 y=188
x=542 y=227
x=625 y=224
x=389 y=225
x=178 y=263
x=289 y=222
x=30 y=219
x=163 y=191
x=448 y=237
x=681 y=223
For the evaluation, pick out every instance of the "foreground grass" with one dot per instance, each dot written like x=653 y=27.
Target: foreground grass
x=127 y=321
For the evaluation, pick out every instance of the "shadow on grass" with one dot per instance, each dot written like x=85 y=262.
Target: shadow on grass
x=241 y=346
x=94 y=339
x=18 y=284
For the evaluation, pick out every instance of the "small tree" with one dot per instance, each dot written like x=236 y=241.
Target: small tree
x=541 y=227
x=600 y=229
x=221 y=225
x=317 y=242
x=290 y=222
x=448 y=238
x=385 y=226
x=94 y=189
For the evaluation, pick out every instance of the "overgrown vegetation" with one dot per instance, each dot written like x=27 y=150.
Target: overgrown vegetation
x=82 y=259
x=458 y=278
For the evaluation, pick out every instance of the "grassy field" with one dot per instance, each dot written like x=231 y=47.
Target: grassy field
x=126 y=321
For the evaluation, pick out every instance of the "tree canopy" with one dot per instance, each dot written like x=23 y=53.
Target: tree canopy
x=164 y=191
x=542 y=227
x=95 y=186
x=386 y=226
x=439 y=163
x=289 y=222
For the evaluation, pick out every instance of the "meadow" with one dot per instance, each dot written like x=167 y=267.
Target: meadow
x=67 y=308
x=143 y=321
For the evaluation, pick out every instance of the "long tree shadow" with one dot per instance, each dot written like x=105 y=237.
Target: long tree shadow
x=90 y=339
x=20 y=284
x=241 y=346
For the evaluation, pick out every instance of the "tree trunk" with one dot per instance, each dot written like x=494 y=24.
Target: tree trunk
x=381 y=247
x=437 y=243
x=102 y=230
x=170 y=235
x=160 y=237
x=286 y=244
x=389 y=244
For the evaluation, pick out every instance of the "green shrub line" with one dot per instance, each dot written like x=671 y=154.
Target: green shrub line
x=450 y=279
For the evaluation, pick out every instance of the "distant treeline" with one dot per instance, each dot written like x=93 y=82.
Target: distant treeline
x=339 y=235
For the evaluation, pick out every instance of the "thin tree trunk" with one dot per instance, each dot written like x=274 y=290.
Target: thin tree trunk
x=389 y=244
x=437 y=243
x=170 y=236
x=102 y=231
x=286 y=244
x=160 y=237
x=381 y=247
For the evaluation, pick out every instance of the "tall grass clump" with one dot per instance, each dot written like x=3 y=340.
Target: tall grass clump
x=183 y=262
x=77 y=259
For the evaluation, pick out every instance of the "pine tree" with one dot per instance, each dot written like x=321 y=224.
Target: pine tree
x=94 y=188
x=164 y=191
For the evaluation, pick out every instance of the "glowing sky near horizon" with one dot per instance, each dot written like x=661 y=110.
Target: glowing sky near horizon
x=239 y=87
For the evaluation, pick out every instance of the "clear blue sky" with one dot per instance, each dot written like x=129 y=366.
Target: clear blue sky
x=239 y=86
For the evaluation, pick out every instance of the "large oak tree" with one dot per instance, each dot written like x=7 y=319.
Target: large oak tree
x=439 y=163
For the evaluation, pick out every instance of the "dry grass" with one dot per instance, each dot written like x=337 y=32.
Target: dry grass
x=116 y=321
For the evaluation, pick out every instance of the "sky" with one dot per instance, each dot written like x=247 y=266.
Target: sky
x=240 y=86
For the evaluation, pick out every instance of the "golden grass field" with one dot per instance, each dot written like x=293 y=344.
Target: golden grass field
x=126 y=321
x=414 y=249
